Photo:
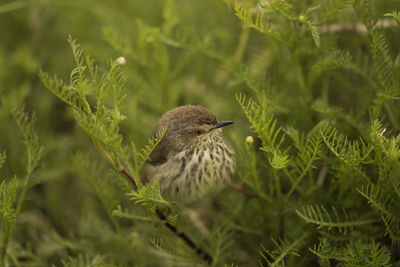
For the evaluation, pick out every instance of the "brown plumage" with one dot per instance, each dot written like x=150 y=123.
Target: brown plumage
x=193 y=158
x=177 y=121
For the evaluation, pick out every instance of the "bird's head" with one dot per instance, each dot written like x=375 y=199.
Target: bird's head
x=188 y=126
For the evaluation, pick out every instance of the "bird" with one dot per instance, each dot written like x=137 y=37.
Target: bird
x=193 y=159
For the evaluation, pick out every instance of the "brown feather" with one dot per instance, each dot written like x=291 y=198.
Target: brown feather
x=175 y=120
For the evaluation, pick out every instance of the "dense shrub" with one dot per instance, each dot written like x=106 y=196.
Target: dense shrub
x=312 y=86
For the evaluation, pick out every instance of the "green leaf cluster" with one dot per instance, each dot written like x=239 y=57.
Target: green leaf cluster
x=313 y=89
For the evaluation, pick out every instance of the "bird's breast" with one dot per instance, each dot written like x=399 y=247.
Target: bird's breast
x=199 y=171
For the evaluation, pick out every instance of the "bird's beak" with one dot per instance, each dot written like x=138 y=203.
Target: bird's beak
x=222 y=124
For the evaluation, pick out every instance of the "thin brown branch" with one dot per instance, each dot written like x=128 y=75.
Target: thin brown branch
x=322 y=175
x=184 y=237
x=130 y=178
x=241 y=190
x=200 y=252
x=358 y=28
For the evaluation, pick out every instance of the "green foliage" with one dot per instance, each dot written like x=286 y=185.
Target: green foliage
x=140 y=157
x=316 y=133
x=8 y=195
x=264 y=124
x=283 y=249
x=10 y=205
x=87 y=261
x=333 y=7
x=31 y=139
x=148 y=195
x=309 y=151
x=383 y=62
x=351 y=153
x=383 y=202
x=8 y=214
x=354 y=253
x=259 y=23
x=395 y=15
x=102 y=123
x=163 y=245
x=331 y=61
x=3 y=157
x=222 y=243
x=320 y=216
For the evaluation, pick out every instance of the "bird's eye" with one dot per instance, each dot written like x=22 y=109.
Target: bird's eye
x=199 y=131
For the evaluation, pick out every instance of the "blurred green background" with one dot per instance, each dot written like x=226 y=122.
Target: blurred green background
x=62 y=213
x=177 y=52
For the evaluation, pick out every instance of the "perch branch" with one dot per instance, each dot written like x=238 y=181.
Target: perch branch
x=185 y=238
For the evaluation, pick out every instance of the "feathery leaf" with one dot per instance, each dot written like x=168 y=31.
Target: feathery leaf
x=320 y=216
x=282 y=250
x=3 y=157
x=263 y=122
x=148 y=195
x=260 y=23
x=383 y=64
x=332 y=61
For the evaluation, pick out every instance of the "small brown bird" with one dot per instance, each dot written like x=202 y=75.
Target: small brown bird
x=193 y=158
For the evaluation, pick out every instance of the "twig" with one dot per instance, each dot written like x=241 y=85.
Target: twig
x=238 y=188
x=185 y=238
x=200 y=252
x=241 y=190
x=130 y=178
x=358 y=28
x=322 y=175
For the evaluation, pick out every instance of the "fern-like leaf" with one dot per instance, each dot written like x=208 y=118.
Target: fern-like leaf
x=377 y=198
x=148 y=195
x=333 y=7
x=355 y=253
x=31 y=139
x=8 y=193
x=282 y=249
x=103 y=129
x=320 y=216
x=3 y=157
x=326 y=251
x=314 y=28
x=260 y=23
x=8 y=214
x=383 y=63
x=308 y=153
x=283 y=7
x=141 y=156
x=222 y=242
x=87 y=261
x=392 y=227
x=352 y=153
x=118 y=212
x=164 y=245
x=383 y=203
x=332 y=61
x=254 y=79
x=102 y=122
x=263 y=122
x=358 y=253
x=395 y=15
x=376 y=135
x=63 y=91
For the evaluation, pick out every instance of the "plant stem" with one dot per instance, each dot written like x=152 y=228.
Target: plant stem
x=279 y=203
x=244 y=37
x=5 y=244
x=302 y=82
x=21 y=199
x=185 y=238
